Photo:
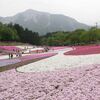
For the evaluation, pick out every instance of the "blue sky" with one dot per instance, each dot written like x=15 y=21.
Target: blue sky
x=85 y=11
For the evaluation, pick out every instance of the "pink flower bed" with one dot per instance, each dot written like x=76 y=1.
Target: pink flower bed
x=25 y=58
x=73 y=84
x=9 y=48
x=1 y=54
x=57 y=47
x=84 y=50
x=35 y=56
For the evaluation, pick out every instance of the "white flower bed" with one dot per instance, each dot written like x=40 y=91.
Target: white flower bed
x=61 y=61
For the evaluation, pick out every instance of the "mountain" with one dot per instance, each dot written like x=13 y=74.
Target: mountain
x=43 y=22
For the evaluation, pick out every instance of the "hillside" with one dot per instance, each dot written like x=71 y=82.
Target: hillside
x=44 y=22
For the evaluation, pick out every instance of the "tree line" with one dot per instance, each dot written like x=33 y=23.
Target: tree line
x=16 y=33
x=77 y=37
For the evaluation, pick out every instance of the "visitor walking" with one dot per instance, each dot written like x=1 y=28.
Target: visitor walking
x=16 y=53
x=11 y=55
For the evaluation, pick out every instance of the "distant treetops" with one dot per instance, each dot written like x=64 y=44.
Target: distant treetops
x=10 y=32
x=15 y=32
x=77 y=37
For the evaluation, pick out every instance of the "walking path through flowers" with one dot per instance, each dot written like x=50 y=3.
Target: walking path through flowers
x=60 y=61
x=26 y=57
x=78 y=83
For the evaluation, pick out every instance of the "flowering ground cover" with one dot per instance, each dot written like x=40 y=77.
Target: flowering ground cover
x=81 y=83
x=60 y=61
x=72 y=78
x=84 y=50
x=34 y=56
x=24 y=58
x=57 y=47
x=9 y=48
x=9 y=62
x=1 y=53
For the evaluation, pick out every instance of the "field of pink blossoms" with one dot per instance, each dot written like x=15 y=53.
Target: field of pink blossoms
x=74 y=84
x=9 y=48
x=84 y=50
x=80 y=83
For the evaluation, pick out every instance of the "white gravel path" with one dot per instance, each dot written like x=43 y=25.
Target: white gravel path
x=60 y=61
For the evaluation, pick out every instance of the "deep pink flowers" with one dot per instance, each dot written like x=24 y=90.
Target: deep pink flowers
x=57 y=47
x=84 y=50
x=9 y=48
x=35 y=56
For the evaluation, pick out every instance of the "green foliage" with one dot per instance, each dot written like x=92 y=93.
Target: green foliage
x=77 y=37
x=17 y=33
x=7 y=33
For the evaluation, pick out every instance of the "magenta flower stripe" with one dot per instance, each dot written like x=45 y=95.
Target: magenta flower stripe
x=9 y=48
x=84 y=50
